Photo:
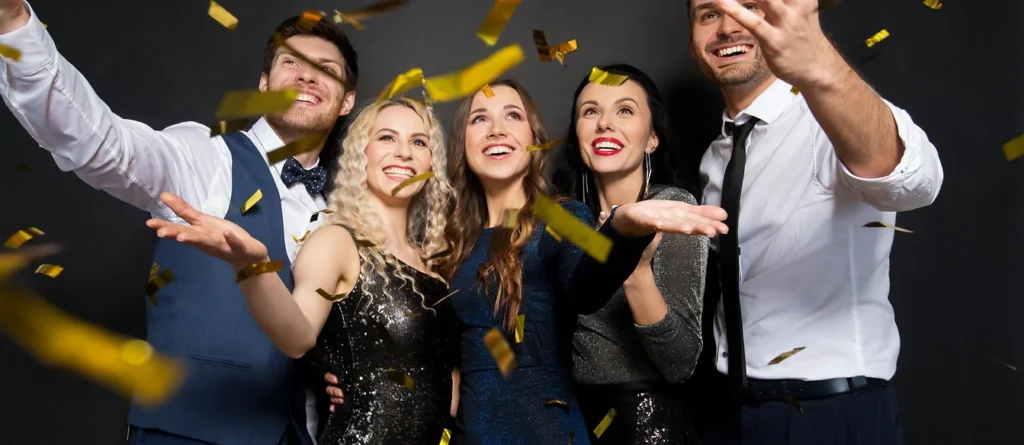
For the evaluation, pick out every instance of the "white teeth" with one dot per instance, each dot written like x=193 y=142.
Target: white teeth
x=308 y=98
x=608 y=145
x=498 y=150
x=738 y=49
x=399 y=171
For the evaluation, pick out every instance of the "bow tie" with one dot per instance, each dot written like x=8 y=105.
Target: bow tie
x=314 y=179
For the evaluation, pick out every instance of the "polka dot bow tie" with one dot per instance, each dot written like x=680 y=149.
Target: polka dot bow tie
x=314 y=179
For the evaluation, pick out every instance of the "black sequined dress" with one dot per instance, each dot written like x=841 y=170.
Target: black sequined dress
x=372 y=342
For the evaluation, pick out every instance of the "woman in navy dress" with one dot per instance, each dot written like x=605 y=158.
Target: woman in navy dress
x=498 y=274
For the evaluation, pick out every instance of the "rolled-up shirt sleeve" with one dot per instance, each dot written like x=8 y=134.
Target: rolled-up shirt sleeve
x=914 y=183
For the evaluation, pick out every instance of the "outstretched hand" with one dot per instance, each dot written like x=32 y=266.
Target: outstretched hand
x=790 y=36
x=647 y=217
x=215 y=236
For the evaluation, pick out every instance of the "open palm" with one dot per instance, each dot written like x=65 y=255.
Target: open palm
x=215 y=236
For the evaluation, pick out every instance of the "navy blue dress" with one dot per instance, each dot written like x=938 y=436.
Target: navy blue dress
x=535 y=405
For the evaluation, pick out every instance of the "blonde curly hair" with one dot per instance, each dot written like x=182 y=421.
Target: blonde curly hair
x=428 y=210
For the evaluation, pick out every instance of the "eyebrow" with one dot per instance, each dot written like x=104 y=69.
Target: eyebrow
x=705 y=5
x=624 y=99
x=318 y=60
x=506 y=107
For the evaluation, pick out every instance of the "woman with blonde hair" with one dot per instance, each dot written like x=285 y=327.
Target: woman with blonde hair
x=364 y=289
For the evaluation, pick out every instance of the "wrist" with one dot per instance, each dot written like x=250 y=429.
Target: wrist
x=249 y=268
x=642 y=277
x=825 y=76
x=622 y=224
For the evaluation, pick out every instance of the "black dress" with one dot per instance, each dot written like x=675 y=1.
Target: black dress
x=372 y=342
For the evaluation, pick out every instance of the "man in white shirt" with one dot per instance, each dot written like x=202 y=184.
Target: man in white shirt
x=804 y=341
x=239 y=388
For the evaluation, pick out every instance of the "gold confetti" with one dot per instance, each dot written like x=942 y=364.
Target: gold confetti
x=556 y=402
x=412 y=315
x=251 y=103
x=50 y=270
x=509 y=218
x=794 y=90
x=501 y=351
x=558 y=52
x=1013 y=368
x=444 y=298
x=302 y=238
x=488 y=92
x=24 y=167
x=793 y=401
x=546 y=145
x=468 y=81
x=520 y=327
x=331 y=297
x=603 y=77
x=308 y=143
x=11 y=262
x=564 y=223
x=607 y=420
x=21 y=237
x=934 y=4
x=10 y=53
x=501 y=12
x=553 y=233
x=446 y=436
x=878 y=37
x=222 y=16
x=258 y=268
x=1014 y=149
x=44 y=25
x=228 y=126
x=887 y=226
x=411 y=181
x=785 y=355
x=157 y=281
x=255 y=198
x=283 y=42
x=404 y=82
x=400 y=378
x=354 y=18
x=310 y=18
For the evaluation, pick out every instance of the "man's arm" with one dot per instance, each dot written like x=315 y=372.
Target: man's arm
x=62 y=112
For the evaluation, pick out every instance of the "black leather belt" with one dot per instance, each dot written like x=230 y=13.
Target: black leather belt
x=777 y=390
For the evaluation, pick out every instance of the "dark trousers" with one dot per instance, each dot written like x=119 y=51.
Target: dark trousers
x=868 y=417
x=146 y=436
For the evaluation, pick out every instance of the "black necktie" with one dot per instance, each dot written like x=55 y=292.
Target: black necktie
x=729 y=254
x=314 y=179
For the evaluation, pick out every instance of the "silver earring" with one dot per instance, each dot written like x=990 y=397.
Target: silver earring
x=648 y=171
x=586 y=190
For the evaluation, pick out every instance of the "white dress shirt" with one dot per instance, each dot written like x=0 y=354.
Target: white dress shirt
x=810 y=274
x=126 y=158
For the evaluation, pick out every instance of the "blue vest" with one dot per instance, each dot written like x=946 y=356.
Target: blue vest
x=239 y=388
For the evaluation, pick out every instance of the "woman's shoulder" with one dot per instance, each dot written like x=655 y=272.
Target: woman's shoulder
x=670 y=193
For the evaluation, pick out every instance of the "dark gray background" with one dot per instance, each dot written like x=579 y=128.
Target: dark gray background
x=957 y=71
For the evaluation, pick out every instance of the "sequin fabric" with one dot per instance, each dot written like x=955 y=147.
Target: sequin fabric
x=641 y=418
x=365 y=338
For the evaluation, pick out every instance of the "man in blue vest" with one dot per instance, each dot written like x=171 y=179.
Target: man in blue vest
x=239 y=389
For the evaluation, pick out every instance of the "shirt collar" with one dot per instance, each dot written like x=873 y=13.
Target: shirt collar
x=768 y=106
x=268 y=140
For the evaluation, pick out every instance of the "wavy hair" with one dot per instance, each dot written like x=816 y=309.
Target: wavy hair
x=502 y=266
x=428 y=210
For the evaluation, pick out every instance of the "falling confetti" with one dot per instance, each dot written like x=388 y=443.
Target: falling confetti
x=257 y=269
x=300 y=239
x=310 y=18
x=331 y=297
x=501 y=351
x=880 y=224
x=50 y=270
x=565 y=224
x=878 y=37
x=794 y=90
x=228 y=126
x=793 y=401
x=252 y=103
x=556 y=402
x=249 y=203
x=546 y=146
x=404 y=82
x=603 y=77
x=444 y=298
x=11 y=262
x=21 y=237
x=607 y=420
x=1014 y=149
x=446 y=436
x=222 y=16
x=557 y=52
x=1011 y=367
x=553 y=233
x=468 y=81
x=785 y=355
x=306 y=144
x=934 y=4
x=411 y=181
x=501 y=12
x=400 y=378
x=509 y=218
x=10 y=53
x=488 y=92
x=520 y=327
x=157 y=281
x=353 y=18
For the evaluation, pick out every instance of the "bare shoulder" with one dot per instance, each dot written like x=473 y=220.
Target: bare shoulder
x=669 y=193
x=331 y=246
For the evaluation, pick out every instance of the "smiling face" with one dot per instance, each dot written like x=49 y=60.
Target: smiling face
x=322 y=99
x=497 y=134
x=398 y=149
x=725 y=51
x=613 y=126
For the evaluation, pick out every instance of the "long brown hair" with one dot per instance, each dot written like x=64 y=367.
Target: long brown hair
x=470 y=213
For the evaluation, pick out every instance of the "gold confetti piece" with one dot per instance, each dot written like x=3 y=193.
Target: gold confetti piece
x=222 y=16
x=468 y=81
x=11 y=262
x=308 y=143
x=556 y=402
x=283 y=42
x=794 y=90
x=411 y=181
x=520 y=327
x=603 y=77
x=1014 y=149
x=21 y=237
x=887 y=226
x=404 y=82
x=1013 y=368
x=228 y=126
x=255 y=198
x=44 y=25
x=488 y=92
x=785 y=355
x=793 y=401
x=509 y=218
x=446 y=436
x=400 y=378
x=501 y=12
x=501 y=351
x=252 y=103
x=444 y=298
x=934 y=4
x=157 y=281
x=412 y=315
x=50 y=270
x=59 y=340
x=558 y=52
x=24 y=167
x=258 y=268
x=354 y=17
x=564 y=223
x=878 y=37
x=546 y=145
x=553 y=233
x=310 y=18
x=10 y=53
x=607 y=420
x=331 y=297
x=302 y=238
